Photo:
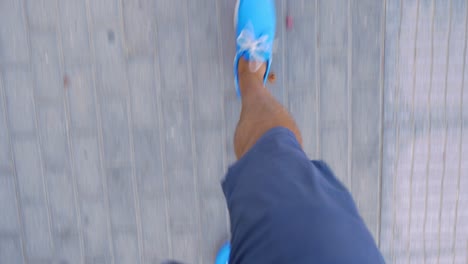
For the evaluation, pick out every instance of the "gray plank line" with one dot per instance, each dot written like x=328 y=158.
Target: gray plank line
x=192 y=131
x=14 y=47
x=397 y=149
x=208 y=123
x=381 y=129
x=150 y=178
x=136 y=200
x=36 y=127
x=68 y=125
x=415 y=53
x=397 y=132
x=232 y=101
x=223 y=111
x=162 y=147
x=277 y=88
x=333 y=61
x=454 y=238
x=300 y=62
x=13 y=168
x=177 y=117
x=130 y=123
x=404 y=75
x=350 y=100
x=284 y=35
x=390 y=74
x=99 y=130
x=126 y=51
x=317 y=80
x=364 y=120
x=429 y=100
x=444 y=161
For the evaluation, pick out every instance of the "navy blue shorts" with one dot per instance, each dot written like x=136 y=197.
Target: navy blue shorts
x=285 y=208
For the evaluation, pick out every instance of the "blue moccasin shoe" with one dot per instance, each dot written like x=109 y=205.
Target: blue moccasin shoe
x=255 y=24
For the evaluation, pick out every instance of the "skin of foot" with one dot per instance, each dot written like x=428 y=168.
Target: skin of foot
x=243 y=68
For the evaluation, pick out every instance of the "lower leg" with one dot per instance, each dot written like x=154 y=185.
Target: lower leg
x=260 y=110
